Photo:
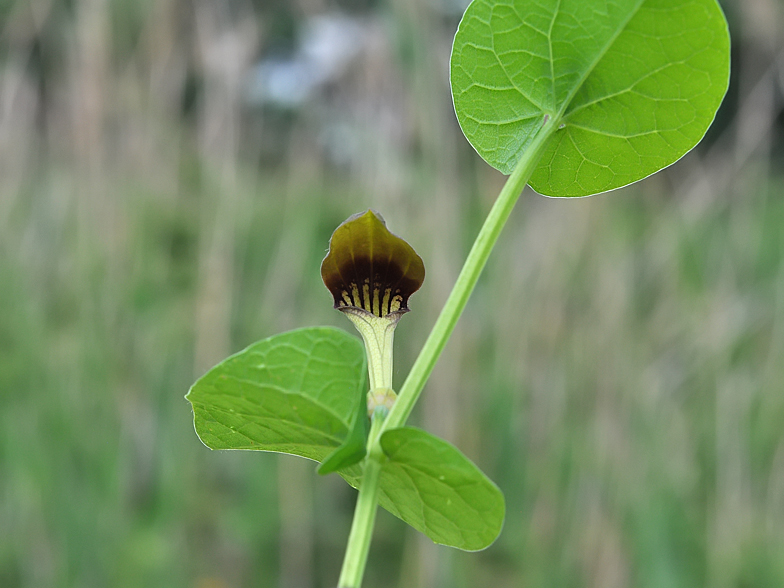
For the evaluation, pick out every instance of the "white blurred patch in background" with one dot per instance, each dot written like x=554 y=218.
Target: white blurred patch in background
x=327 y=45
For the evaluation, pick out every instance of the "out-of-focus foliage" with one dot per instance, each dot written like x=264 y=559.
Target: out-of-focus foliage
x=618 y=371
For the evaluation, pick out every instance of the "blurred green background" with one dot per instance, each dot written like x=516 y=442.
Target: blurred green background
x=170 y=174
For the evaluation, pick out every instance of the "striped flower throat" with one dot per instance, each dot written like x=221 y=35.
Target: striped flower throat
x=375 y=293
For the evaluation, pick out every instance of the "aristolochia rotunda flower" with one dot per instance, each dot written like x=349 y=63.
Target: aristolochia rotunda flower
x=371 y=273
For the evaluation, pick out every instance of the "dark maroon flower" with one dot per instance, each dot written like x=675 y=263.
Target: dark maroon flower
x=368 y=268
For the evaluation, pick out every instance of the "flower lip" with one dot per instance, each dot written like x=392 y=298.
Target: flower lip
x=369 y=268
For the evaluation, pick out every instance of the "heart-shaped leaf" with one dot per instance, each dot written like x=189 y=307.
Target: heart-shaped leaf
x=432 y=486
x=293 y=393
x=632 y=85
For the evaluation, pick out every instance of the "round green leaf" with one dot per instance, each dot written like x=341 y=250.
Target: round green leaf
x=293 y=393
x=433 y=487
x=633 y=85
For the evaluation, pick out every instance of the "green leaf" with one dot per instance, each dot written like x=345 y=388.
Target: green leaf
x=294 y=393
x=351 y=452
x=632 y=84
x=354 y=447
x=432 y=486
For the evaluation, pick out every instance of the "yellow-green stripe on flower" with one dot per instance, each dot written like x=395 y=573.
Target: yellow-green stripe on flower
x=371 y=273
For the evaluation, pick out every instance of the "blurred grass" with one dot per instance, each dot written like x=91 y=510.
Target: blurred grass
x=618 y=371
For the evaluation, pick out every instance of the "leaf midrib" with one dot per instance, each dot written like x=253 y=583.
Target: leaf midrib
x=599 y=56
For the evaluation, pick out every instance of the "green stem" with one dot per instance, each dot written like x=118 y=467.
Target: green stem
x=477 y=258
x=365 y=511
x=364 y=514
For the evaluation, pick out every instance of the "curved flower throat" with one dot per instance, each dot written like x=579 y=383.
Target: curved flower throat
x=371 y=273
